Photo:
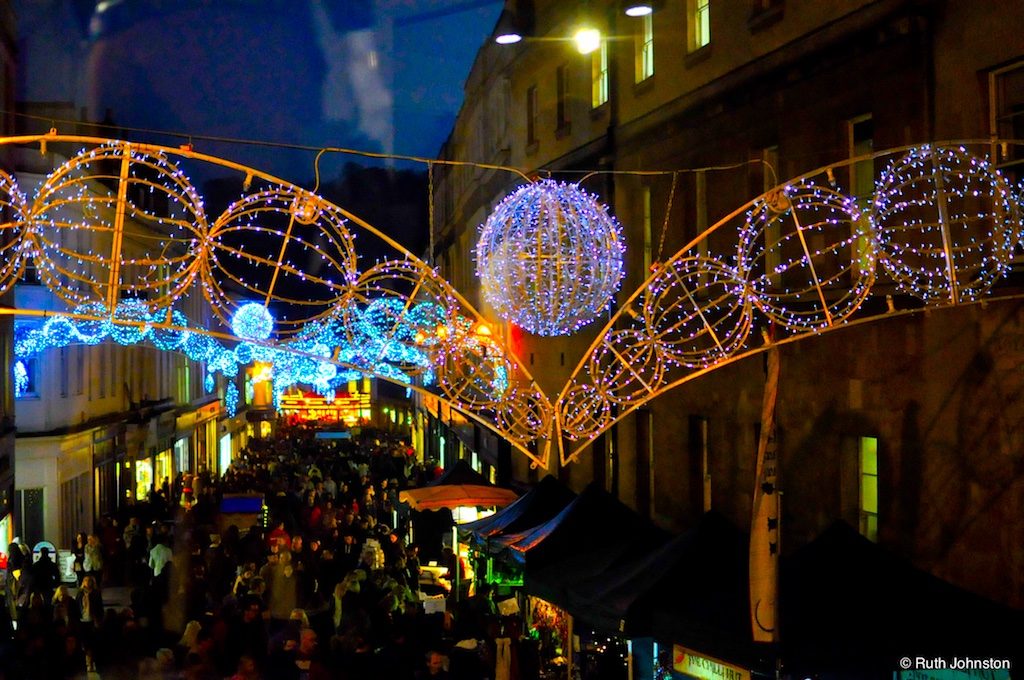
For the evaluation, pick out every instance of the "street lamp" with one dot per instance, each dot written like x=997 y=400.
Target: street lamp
x=640 y=8
x=587 y=39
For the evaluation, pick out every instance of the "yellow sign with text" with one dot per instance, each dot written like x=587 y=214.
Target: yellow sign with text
x=699 y=666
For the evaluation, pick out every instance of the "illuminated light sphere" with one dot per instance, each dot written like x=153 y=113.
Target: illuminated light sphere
x=947 y=224
x=77 y=197
x=475 y=372
x=168 y=338
x=243 y=353
x=584 y=412
x=400 y=312
x=14 y=247
x=199 y=347
x=59 y=331
x=326 y=372
x=252 y=321
x=231 y=398
x=130 y=324
x=807 y=256
x=94 y=330
x=550 y=258
x=208 y=382
x=283 y=244
x=626 y=366
x=524 y=414
x=695 y=309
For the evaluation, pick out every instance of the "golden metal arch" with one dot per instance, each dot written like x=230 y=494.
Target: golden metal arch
x=940 y=229
x=121 y=218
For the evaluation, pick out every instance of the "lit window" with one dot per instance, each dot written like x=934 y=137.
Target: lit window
x=700 y=24
x=25 y=378
x=599 y=75
x=869 y=487
x=645 y=49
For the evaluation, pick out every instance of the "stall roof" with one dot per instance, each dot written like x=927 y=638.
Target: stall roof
x=712 y=554
x=538 y=505
x=847 y=601
x=458 y=485
x=589 y=535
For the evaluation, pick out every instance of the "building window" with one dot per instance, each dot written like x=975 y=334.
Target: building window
x=700 y=23
x=1006 y=117
x=531 y=115
x=28 y=508
x=645 y=49
x=869 y=487
x=562 y=98
x=599 y=75
x=26 y=378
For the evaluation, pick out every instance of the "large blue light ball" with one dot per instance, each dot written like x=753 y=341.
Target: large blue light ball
x=550 y=258
x=252 y=321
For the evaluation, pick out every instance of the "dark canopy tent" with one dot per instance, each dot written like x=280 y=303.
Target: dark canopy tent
x=541 y=503
x=848 y=603
x=588 y=536
x=692 y=590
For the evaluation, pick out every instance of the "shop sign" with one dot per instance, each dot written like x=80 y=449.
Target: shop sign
x=699 y=666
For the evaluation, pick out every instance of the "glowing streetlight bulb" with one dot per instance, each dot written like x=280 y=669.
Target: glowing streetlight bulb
x=587 y=40
x=508 y=38
x=639 y=9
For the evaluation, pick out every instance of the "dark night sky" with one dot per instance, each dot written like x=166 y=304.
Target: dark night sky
x=378 y=75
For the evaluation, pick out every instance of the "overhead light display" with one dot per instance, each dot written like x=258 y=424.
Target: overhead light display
x=550 y=258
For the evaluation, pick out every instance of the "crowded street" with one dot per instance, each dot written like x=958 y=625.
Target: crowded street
x=322 y=584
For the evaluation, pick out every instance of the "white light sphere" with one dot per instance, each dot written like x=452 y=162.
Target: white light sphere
x=947 y=224
x=550 y=258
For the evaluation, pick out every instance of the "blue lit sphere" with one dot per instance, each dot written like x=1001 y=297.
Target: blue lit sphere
x=199 y=347
x=92 y=331
x=243 y=353
x=169 y=338
x=59 y=331
x=252 y=321
x=550 y=258
x=131 y=322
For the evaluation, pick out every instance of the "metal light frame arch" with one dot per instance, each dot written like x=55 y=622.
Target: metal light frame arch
x=941 y=228
x=183 y=252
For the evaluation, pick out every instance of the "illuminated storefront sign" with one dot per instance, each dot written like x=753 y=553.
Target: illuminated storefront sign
x=699 y=666
x=349 y=408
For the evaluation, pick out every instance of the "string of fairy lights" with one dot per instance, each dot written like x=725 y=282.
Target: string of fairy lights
x=942 y=227
x=121 y=236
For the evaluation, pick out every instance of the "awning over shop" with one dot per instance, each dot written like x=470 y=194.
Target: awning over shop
x=459 y=485
x=538 y=505
x=592 y=533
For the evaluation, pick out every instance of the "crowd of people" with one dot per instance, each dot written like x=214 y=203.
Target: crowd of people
x=323 y=584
